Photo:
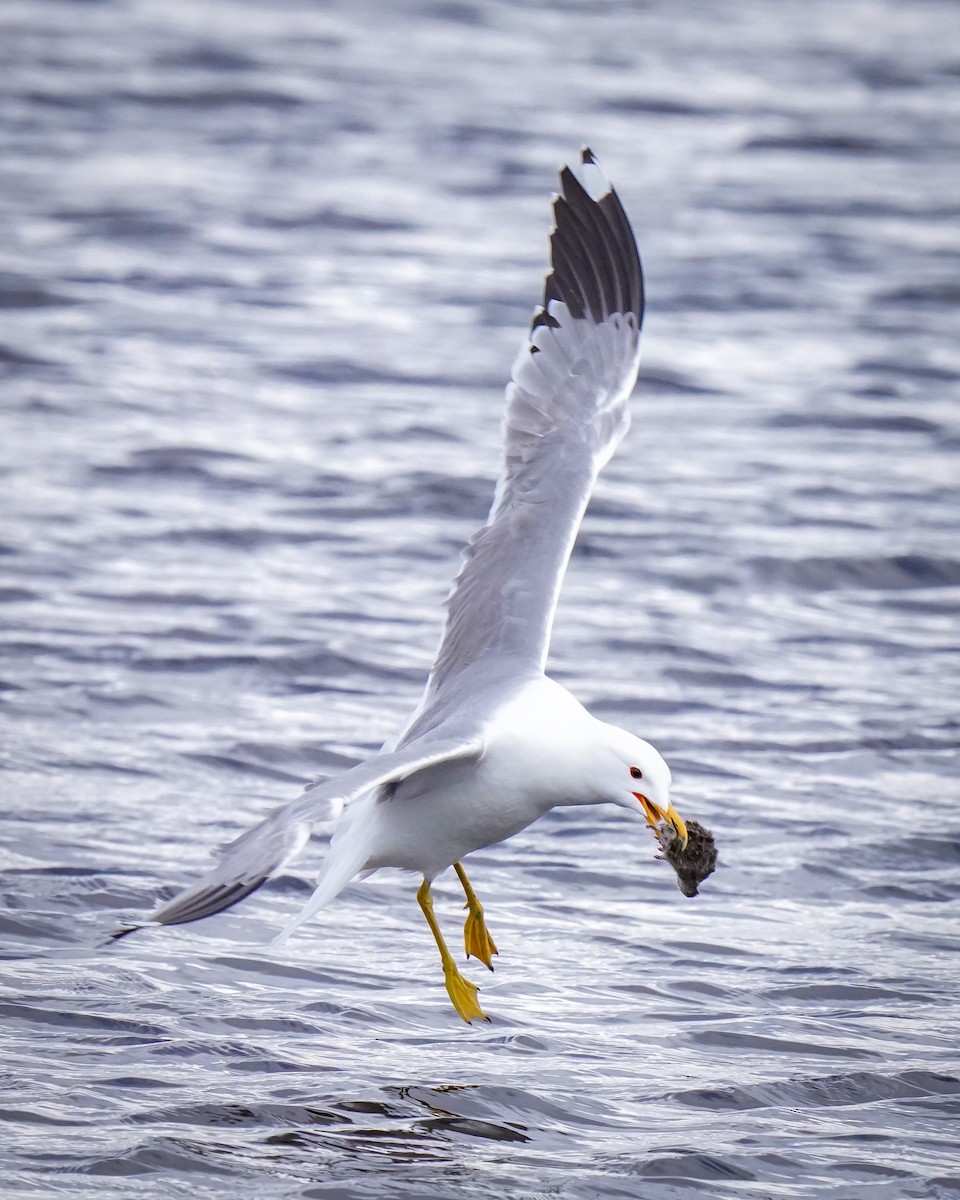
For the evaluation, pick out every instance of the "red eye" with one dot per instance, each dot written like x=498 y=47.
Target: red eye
x=636 y=773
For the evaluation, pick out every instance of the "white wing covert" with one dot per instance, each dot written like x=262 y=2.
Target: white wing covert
x=566 y=413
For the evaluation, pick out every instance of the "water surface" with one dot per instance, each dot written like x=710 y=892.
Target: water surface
x=264 y=276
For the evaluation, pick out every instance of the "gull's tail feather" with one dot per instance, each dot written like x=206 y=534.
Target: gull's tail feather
x=349 y=854
x=333 y=879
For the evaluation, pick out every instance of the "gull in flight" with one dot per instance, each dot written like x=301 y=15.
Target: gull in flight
x=494 y=743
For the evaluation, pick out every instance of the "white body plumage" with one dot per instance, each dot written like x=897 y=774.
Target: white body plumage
x=494 y=743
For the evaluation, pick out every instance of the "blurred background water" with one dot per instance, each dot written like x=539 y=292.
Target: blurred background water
x=265 y=270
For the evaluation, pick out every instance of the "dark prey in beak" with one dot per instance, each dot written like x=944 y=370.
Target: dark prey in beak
x=693 y=863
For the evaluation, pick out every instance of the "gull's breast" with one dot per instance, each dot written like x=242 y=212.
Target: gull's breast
x=438 y=817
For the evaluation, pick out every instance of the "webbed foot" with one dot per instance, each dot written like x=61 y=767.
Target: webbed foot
x=476 y=937
x=463 y=995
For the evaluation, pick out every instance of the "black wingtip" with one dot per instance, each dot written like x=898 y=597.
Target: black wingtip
x=194 y=905
x=596 y=266
x=122 y=932
x=542 y=317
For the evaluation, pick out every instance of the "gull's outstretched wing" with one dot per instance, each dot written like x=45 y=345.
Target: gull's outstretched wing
x=566 y=413
x=246 y=863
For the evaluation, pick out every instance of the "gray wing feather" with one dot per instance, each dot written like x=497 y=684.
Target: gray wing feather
x=246 y=863
x=566 y=413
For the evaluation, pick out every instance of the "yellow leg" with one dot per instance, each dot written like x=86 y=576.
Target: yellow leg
x=462 y=992
x=476 y=938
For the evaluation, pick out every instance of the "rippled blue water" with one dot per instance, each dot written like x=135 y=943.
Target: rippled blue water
x=264 y=276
